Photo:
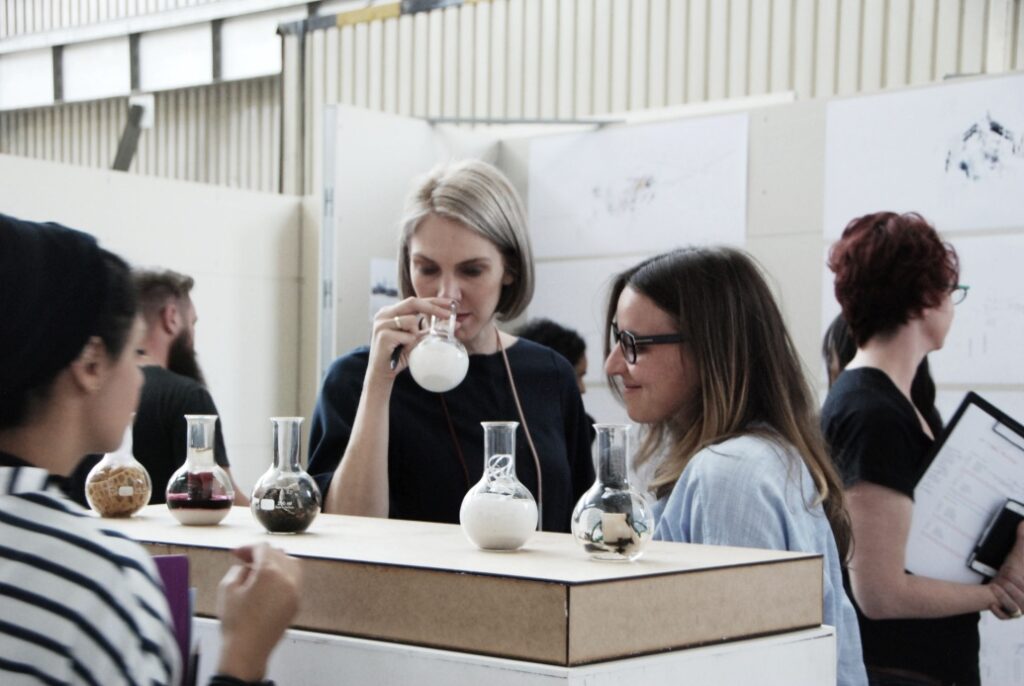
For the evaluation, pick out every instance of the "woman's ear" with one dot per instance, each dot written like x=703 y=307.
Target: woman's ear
x=89 y=369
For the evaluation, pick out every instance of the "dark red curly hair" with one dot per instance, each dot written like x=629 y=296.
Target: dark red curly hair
x=889 y=268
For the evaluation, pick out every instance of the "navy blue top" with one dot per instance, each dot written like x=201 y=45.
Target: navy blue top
x=426 y=479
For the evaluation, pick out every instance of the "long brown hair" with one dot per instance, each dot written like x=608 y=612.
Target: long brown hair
x=751 y=379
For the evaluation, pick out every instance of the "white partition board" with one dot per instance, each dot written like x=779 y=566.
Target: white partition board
x=953 y=152
x=376 y=158
x=983 y=345
x=1010 y=402
x=639 y=188
x=574 y=293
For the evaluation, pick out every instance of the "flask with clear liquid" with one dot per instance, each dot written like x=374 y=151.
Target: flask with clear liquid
x=612 y=521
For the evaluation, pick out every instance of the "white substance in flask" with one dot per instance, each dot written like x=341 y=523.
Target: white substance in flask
x=437 y=365
x=498 y=522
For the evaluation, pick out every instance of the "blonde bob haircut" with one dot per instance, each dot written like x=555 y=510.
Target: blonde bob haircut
x=478 y=196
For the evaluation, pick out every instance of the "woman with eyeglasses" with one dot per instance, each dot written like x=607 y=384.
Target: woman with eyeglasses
x=699 y=353
x=897 y=283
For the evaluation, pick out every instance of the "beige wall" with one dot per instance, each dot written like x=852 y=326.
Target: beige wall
x=243 y=248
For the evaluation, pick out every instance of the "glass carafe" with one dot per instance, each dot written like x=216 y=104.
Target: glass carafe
x=200 y=492
x=286 y=499
x=612 y=521
x=118 y=486
x=439 y=362
x=499 y=512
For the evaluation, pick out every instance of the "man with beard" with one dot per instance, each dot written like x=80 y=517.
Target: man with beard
x=174 y=384
x=174 y=387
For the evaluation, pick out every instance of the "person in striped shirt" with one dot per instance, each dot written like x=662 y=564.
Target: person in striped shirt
x=80 y=604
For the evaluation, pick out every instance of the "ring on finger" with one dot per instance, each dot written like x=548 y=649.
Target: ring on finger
x=398 y=322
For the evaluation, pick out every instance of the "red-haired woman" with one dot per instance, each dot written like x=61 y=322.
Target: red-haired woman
x=897 y=283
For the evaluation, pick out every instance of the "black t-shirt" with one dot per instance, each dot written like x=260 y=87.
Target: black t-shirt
x=159 y=438
x=426 y=478
x=874 y=435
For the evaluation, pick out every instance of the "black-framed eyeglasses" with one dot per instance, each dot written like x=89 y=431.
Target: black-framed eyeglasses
x=958 y=292
x=628 y=341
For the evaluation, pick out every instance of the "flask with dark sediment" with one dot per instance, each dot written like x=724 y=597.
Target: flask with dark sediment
x=286 y=499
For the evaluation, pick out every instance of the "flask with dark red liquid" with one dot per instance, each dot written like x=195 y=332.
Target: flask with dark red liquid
x=200 y=492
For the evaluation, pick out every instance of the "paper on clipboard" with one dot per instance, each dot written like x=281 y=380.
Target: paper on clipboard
x=979 y=464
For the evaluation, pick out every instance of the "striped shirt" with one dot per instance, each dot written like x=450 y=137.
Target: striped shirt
x=79 y=604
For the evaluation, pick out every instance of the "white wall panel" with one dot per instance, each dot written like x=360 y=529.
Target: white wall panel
x=26 y=79
x=174 y=58
x=95 y=70
x=250 y=45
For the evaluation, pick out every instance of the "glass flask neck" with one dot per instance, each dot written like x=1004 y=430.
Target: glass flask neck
x=444 y=328
x=612 y=452
x=499 y=449
x=200 y=439
x=287 y=438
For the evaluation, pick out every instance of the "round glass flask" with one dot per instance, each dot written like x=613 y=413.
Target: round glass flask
x=118 y=486
x=439 y=362
x=612 y=521
x=286 y=499
x=499 y=512
x=200 y=493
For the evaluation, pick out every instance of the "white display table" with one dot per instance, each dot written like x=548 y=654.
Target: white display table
x=798 y=658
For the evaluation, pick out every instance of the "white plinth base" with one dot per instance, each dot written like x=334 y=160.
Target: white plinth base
x=799 y=658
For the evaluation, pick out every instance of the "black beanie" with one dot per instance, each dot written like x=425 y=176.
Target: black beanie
x=52 y=287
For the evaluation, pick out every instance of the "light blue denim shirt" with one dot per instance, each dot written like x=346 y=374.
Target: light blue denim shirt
x=752 y=492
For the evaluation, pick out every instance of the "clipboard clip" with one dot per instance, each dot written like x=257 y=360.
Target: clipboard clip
x=1009 y=436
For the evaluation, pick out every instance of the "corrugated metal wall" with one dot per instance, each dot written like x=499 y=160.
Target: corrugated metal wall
x=526 y=58
x=228 y=134
x=570 y=58
x=18 y=17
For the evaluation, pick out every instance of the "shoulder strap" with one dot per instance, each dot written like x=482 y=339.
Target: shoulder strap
x=526 y=430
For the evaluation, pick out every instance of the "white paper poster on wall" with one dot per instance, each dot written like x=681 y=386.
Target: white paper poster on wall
x=383 y=284
x=639 y=188
x=984 y=344
x=953 y=152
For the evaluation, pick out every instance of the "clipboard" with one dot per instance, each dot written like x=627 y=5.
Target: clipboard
x=976 y=464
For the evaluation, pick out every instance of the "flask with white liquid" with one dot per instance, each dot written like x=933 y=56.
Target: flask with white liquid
x=499 y=513
x=439 y=362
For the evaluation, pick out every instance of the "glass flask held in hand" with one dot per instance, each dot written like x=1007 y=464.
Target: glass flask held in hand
x=612 y=521
x=499 y=512
x=200 y=492
x=439 y=362
x=286 y=499
x=118 y=486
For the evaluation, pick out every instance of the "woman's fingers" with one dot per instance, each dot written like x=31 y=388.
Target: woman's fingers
x=1009 y=594
x=439 y=307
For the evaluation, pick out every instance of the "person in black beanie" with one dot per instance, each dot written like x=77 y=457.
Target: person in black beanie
x=80 y=604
